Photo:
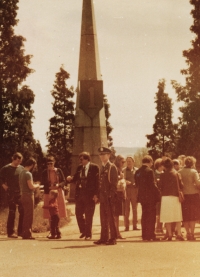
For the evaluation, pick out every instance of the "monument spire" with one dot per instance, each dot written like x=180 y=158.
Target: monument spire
x=89 y=66
x=90 y=123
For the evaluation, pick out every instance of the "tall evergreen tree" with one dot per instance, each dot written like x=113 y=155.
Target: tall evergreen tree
x=61 y=130
x=15 y=100
x=162 y=140
x=189 y=94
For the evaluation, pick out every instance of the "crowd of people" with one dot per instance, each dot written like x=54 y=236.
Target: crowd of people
x=168 y=191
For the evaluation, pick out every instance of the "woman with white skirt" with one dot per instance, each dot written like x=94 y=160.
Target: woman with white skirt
x=170 y=206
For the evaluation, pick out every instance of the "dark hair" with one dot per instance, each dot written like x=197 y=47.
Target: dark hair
x=54 y=192
x=168 y=163
x=30 y=161
x=17 y=155
x=50 y=159
x=158 y=163
x=147 y=159
x=118 y=160
x=189 y=161
x=85 y=155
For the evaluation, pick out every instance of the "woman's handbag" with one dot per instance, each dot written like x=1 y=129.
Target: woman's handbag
x=180 y=193
x=121 y=185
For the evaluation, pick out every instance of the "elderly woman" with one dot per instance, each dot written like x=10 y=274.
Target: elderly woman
x=170 y=183
x=53 y=178
x=120 y=200
x=191 y=204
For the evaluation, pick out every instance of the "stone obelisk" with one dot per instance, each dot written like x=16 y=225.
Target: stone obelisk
x=90 y=123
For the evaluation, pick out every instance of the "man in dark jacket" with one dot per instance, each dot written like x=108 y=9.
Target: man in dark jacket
x=9 y=179
x=148 y=196
x=107 y=197
x=87 y=186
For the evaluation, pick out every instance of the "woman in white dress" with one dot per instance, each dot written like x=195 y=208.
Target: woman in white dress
x=170 y=206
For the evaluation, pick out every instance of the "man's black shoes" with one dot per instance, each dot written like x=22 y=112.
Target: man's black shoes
x=99 y=242
x=111 y=242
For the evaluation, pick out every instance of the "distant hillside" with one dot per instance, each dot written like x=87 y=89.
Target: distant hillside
x=126 y=151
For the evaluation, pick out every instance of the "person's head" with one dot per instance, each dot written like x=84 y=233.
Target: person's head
x=50 y=162
x=120 y=161
x=158 y=165
x=53 y=194
x=147 y=160
x=104 y=154
x=30 y=164
x=168 y=164
x=176 y=163
x=189 y=162
x=84 y=158
x=17 y=159
x=130 y=161
x=181 y=158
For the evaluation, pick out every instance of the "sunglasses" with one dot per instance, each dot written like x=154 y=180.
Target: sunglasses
x=49 y=163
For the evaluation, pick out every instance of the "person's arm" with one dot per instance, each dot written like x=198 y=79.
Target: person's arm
x=75 y=177
x=196 y=179
x=113 y=180
x=3 y=178
x=31 y=185
x=181 y=185
x=151 y=178
x=96 y=184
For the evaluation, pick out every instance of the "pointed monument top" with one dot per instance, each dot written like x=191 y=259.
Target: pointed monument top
x=89 y=66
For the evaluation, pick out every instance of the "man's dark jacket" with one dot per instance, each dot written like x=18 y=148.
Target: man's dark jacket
x=147 y=189
x=91 y=187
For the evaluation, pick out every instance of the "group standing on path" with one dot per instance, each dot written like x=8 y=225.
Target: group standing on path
x=116 y=188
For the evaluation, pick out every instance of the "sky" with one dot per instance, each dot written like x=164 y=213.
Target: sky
x=140 y=42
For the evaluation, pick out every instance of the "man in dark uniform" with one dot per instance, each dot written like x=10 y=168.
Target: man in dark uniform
x=107 y=196
x=9 y=179
x=87 y=186
x=148 y=196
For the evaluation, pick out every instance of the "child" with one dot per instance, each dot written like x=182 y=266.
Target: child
x=53 y=210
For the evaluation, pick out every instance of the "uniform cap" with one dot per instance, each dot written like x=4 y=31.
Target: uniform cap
x=104 y=150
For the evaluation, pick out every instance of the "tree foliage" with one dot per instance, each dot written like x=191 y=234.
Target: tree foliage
x=61 y=130
x=162 y=140
x=189 y=94
x=16 y=98
x=139 y=155
x=109 y=128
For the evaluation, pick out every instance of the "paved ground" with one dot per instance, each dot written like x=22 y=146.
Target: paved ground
x=74 y=257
